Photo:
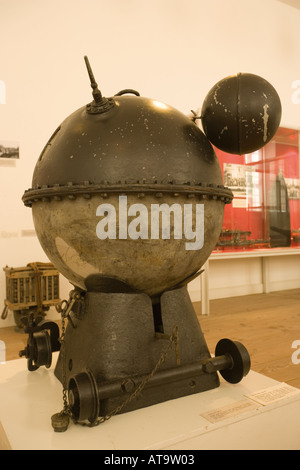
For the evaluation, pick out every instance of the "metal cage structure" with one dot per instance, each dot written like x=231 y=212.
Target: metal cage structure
x=30 y=289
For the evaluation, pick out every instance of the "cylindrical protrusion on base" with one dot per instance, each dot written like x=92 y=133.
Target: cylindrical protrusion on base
x=83 y=397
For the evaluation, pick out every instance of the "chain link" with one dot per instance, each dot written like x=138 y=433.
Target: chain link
x=64 y=308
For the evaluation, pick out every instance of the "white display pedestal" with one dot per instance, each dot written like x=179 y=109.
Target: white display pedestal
x=29 y=399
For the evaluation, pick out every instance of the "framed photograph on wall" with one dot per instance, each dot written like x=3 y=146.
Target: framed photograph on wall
x=9 y=149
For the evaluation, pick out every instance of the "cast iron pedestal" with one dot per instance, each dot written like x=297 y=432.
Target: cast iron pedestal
x=116 y=342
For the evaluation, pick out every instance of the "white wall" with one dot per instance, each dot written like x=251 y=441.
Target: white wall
x=172 y=50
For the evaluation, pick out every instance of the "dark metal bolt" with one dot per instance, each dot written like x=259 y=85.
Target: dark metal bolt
x=128 y=386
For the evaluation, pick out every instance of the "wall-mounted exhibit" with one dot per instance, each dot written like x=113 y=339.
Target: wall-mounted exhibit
x=265 y=211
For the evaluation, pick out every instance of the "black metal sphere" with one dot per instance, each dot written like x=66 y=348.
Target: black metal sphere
x=241 y=113
x=138 y=140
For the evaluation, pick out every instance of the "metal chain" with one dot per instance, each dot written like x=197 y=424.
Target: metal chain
x=66 y=408
x=173 y=340
x=64 y=309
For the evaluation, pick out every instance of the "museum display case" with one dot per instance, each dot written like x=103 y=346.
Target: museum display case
x=265 y=211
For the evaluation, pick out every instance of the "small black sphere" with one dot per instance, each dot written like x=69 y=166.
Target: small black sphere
x=241 y=113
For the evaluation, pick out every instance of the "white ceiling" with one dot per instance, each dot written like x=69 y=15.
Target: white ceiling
x=292 y=3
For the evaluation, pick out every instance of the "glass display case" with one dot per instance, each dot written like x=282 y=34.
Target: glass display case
x=265 y=211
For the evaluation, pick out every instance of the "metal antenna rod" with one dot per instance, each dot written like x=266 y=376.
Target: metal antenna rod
x=96 y=92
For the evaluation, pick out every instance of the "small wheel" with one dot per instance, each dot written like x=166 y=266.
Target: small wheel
x=42 y=349
x=240 y=359
x=83 y=397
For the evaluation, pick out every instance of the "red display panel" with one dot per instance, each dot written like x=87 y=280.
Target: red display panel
x=265 y=211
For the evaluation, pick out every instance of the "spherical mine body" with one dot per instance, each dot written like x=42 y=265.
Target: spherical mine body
x=134 y=192
x=241 y=113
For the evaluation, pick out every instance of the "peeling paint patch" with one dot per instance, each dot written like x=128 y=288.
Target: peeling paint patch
x=224 y=129
x=215 y=95
x=265 y=120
